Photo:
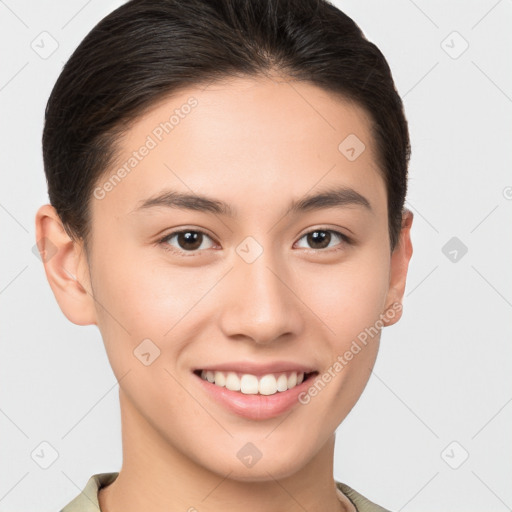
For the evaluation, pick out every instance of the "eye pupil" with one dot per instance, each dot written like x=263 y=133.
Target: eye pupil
x=189 y=237
x=320 y=236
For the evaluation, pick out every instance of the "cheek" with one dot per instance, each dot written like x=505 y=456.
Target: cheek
x=348 y=297
x=132 y=289
x=350 y=302
x=146 y=309
x=140 y=296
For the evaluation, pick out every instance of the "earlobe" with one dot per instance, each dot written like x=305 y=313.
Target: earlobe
x=398 y=272
x=65 y=266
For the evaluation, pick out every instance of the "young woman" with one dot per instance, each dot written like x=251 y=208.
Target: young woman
x=227 y=181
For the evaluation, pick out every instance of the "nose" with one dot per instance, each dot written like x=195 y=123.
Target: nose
x=259 y=301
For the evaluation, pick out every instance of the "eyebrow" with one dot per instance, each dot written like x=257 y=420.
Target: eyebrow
x=331 y=198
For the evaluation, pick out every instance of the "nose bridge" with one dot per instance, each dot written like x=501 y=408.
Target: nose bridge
x=259 y=303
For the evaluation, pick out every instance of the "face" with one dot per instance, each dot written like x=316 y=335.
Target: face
x=247 y=277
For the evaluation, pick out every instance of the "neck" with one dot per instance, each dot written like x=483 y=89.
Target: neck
x=158 y=477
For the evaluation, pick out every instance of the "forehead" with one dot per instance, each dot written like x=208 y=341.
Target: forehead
x=245 y=140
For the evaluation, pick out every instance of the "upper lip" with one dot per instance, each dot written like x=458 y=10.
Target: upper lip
x=258 y=368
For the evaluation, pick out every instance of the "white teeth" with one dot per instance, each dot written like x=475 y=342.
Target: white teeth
x=267 y=385
x=232 y=382
x=292 y=380
x=220 y=379
x=250 y=384
x=282 y=382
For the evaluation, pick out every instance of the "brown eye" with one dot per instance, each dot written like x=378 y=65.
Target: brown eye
x=186 y=240
x=322 y=238
x=189 y=240
x=319 y=239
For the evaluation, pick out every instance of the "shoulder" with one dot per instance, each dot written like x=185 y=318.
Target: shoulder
x=87 y=500
x=361 y=503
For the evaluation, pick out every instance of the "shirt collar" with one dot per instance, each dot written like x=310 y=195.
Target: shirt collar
x=87 y=500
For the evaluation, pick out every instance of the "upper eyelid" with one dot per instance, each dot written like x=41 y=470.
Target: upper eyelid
x=332 y=230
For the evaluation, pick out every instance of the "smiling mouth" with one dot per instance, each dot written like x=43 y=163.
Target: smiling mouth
x=250 y=384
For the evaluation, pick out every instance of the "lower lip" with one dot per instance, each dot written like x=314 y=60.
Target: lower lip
x=255 y=407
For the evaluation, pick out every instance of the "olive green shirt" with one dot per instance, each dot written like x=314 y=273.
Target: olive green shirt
x=87 y=500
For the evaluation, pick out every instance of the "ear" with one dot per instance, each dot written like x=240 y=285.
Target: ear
x=398 y=271
x=66 y=267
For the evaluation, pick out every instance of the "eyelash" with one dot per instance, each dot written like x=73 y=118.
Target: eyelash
x=164 y=241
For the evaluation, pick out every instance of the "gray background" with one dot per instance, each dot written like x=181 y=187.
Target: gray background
x=441 y=390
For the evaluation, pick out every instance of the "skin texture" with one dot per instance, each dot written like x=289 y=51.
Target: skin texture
x=256 y=144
